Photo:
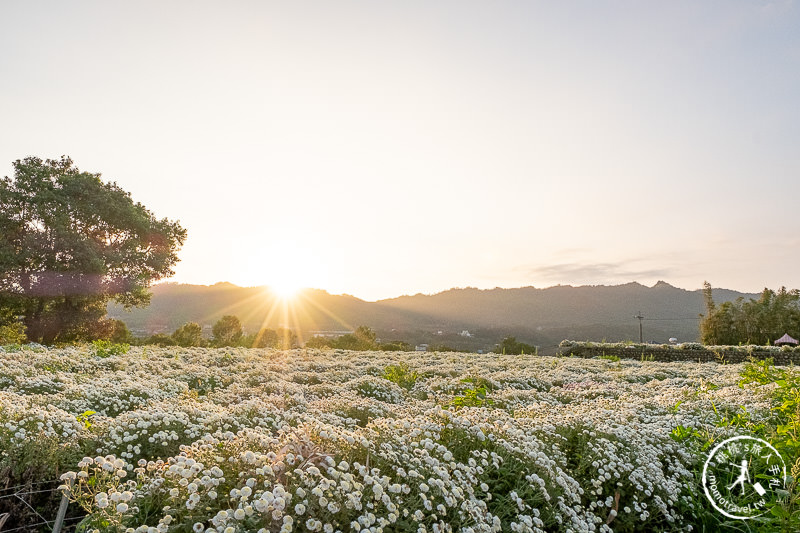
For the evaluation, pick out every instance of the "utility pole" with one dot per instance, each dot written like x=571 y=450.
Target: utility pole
x=640 y=317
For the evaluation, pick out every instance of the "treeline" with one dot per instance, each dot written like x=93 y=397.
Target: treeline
x=363 y=338
x=227 y=331
x=511 y=346
x=755 y=321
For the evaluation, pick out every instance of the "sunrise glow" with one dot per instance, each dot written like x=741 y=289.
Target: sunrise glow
x=286 y=289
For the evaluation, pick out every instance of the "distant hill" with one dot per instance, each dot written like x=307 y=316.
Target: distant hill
x=542 y=317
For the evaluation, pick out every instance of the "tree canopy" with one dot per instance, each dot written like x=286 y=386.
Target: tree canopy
x=189 y=334
x=363 y=338
x=227 y=331
x=511 y=346
x=69 y=243
x=760 y=321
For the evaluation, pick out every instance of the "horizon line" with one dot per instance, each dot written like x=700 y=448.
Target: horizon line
x=268 y=287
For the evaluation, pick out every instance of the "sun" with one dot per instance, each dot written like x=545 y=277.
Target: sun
x=286 y=276
x=285 y=289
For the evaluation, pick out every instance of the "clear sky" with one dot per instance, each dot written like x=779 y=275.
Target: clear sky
x=387 y=148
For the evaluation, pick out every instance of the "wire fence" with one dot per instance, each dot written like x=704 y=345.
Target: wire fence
x=21 y=494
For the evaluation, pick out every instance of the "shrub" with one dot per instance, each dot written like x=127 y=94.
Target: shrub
x=12 y=333
x=401 y=374
x=103 y=348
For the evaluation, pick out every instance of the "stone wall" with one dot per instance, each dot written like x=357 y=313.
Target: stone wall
x=666 y=355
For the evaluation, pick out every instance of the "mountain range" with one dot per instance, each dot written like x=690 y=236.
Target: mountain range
x=461 y=318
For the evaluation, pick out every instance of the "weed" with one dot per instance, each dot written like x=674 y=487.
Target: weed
x=104 y=348
x=475 y=397
x=401 y=375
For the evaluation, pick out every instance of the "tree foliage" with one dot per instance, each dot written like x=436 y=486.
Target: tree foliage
x=363 y=339
x=160 y=339
x=69 y=243
x=189 y=334
x=227 y=331
x=282 y=339
x=752 y=321
x=511 y=346
x=13 y=333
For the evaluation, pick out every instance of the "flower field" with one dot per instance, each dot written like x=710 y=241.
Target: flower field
x=233 y=440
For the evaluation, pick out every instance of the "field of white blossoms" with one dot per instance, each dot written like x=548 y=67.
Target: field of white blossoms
x=233 y=440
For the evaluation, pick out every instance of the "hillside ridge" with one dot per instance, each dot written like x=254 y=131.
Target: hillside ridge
x=541 y=316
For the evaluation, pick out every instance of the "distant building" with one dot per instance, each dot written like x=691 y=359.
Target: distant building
x=421 y=348
x=466 y=333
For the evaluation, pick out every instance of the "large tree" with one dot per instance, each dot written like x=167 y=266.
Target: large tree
x=69 y=243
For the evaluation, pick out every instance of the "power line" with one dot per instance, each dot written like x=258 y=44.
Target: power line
x=677 y=318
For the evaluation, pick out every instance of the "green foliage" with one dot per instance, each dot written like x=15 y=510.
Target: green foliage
x=115 y=331
x=69 y=243
x=281 y=339
x=781 y=429
x=761 y=372
x=13 y=333
x=682 y=433
x=401 y=374
x=29 y=465
x=444 y=348
x=395 y=346
x=265 y=338
x=510 y=346
x=85 y=418
x=476 y=396
x=319 y=342
x=160 y=339
x=753 y=321
x=206 y=384
x=189 y=334
x=103 y=348
x=786 y=403
x=363 y=339
x=612 y=358
x=227 y=331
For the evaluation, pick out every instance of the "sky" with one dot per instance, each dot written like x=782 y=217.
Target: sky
x=387 y=148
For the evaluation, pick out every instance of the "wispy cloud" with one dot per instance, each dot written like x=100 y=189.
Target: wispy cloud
x=590 y=272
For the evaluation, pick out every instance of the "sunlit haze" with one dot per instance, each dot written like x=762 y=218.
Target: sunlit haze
x=388 y=148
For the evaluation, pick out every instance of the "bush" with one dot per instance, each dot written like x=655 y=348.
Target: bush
x=107 y=348
x=12 y=333
x=401 y=374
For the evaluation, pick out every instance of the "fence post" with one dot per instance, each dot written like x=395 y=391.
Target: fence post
x=62 y=509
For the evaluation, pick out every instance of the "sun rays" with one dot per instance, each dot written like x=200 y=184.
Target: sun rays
x=290 y=310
